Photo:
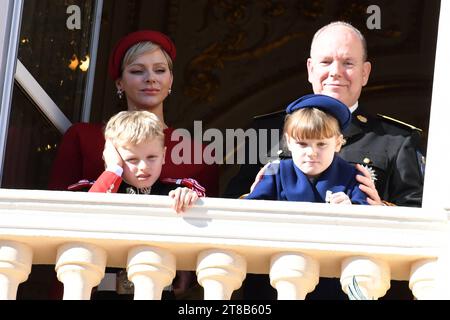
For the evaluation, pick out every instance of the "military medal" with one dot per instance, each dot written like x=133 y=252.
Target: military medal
x=373 y=174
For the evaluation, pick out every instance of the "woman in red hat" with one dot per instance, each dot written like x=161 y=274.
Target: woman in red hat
x=141 y=66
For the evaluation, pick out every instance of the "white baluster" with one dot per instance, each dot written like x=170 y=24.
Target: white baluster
x=15 y=266
x=220 y=272
x=294 y=275
x=371 y=275
x=422 y=281
x=80 y=267
x=150 y=269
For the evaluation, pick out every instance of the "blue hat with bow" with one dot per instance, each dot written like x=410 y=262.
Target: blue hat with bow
x=325 y=103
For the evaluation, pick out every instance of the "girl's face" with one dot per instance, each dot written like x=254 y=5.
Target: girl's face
x=313 y=156
x=142 y=162
x=146 y=81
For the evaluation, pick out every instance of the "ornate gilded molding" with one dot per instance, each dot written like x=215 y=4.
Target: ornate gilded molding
x=202 y=82
x=239 y=43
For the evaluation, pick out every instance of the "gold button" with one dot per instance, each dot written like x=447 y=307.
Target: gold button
x=361 y=118
x=366 y=160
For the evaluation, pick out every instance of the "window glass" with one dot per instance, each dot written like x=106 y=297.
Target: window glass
x=54 y=47
x=30 y=148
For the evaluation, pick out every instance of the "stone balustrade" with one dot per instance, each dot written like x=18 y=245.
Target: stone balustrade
x=222 y=240
x=80 y=267
x=15 y=266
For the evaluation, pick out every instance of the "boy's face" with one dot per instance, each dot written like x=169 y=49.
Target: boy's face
x=313 y=156
x=142 y=162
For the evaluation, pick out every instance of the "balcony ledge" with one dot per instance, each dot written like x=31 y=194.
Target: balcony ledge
x=255 y=229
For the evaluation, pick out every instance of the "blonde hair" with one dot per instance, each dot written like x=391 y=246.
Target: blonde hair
x=134 y=127
x=140 y=48
x=311 y=123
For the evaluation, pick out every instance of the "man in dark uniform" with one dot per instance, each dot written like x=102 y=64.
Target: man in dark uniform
x=388 y=149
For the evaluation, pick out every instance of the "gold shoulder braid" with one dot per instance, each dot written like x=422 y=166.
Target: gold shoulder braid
x=404 y=124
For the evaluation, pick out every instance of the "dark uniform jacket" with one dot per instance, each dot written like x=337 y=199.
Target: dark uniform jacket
x=285 y=181
x=389 y=149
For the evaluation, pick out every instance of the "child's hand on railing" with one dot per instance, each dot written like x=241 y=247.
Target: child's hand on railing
x=337 y=198
x=184 y=198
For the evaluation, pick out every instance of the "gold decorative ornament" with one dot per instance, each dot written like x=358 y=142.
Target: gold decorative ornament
x=361 y=118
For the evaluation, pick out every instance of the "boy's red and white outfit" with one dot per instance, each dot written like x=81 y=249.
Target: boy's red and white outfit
x=110 y=181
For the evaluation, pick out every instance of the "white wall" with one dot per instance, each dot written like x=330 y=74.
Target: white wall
x=437 y=173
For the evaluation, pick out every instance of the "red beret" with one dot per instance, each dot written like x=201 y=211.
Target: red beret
x=115 y=60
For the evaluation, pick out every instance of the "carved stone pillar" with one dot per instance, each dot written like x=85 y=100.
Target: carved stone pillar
x=150 y=269
x=372 y=276
x=294 y=275
x=15 y=266
x=220 y=272
x=80 y=267
x=422 y=281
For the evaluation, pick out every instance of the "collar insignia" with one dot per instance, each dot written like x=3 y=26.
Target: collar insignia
x=131 y=190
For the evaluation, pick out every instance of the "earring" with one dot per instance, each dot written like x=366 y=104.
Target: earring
x=170 y=91
x=120 y=94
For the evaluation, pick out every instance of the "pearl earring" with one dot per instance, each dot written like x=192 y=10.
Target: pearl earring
x=120 y=93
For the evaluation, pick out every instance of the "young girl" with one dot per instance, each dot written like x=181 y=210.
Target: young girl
x=315 y=173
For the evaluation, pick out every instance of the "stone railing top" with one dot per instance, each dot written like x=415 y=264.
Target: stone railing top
x=255 y=229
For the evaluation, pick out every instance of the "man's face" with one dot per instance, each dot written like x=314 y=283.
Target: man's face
x=336 y=67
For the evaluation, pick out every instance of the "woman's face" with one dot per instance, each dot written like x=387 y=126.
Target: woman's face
x=146 y=81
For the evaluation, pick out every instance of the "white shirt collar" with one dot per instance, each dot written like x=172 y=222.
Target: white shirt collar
x=354 y=107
